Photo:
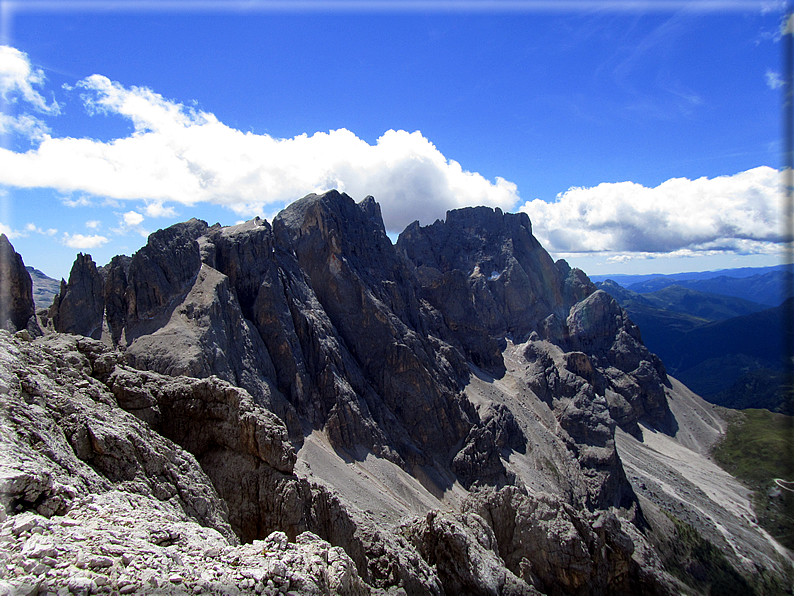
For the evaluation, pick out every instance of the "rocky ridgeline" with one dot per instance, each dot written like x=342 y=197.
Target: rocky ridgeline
x=102 y=496
x=154 y=426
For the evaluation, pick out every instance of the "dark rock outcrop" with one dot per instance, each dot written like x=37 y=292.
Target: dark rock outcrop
x=490 y=282
x=404 y=379
x=17 y=310
x=162 y=270
x=488 y=276
x=114 y=295
x=603 y=330
x=79 y=307
x=243 y=449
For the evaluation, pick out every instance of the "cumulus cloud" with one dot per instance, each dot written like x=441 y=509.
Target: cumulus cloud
x=83 y=242
x=157 y=209
x=130 y=222
x=93 y=224
x=680 y=217
x=132 y=218
x=180 y=155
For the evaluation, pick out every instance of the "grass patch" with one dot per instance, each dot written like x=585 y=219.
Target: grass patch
x=758 y=448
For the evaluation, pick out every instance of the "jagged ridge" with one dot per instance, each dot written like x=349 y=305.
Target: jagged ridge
x=384 y=352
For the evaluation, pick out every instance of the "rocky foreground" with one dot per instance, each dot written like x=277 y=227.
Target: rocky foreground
x=305 y=408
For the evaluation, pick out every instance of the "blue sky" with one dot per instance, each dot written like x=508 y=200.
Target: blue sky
x=638 y=136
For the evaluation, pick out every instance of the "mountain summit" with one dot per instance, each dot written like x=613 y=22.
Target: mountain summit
x=452 y=412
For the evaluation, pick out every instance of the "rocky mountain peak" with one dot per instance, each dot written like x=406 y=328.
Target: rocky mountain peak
x=334 y=227
x=80 y=305
x=487 y=236
x=489 y=278
x=163 y=268
x=327 y=381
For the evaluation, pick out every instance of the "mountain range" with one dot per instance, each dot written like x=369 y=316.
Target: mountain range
x=727 y=349
x=304 y=407
x=762 y=285
x=657 y=281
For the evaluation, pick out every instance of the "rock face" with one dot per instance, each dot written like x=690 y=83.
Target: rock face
x=600 y=328
x=65 y=438
x=549 y=545
x=17 y=310
x=512 y=283
x=434 y=417
x=394 y=374
x=463 y=549
x=80 y=305
x=488 y=276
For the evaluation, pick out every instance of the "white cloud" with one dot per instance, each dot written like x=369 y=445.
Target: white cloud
x=132 y=218
x=10 y=234
x=80 y=201
x=774 y=80
x=157 y=209
x=681 y=217
x=18 y=79
x=80 y=241
x=94 y=224
x=130 y=222
x=31 y=227
x=182 y=156
x=24 y=124
x=620 y=258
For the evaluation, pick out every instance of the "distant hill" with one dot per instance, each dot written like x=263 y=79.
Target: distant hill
x=44 y=288
x=764 y=288
x=758 y=335
x=706 y=305
x=740 y=272
x=726 y=349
